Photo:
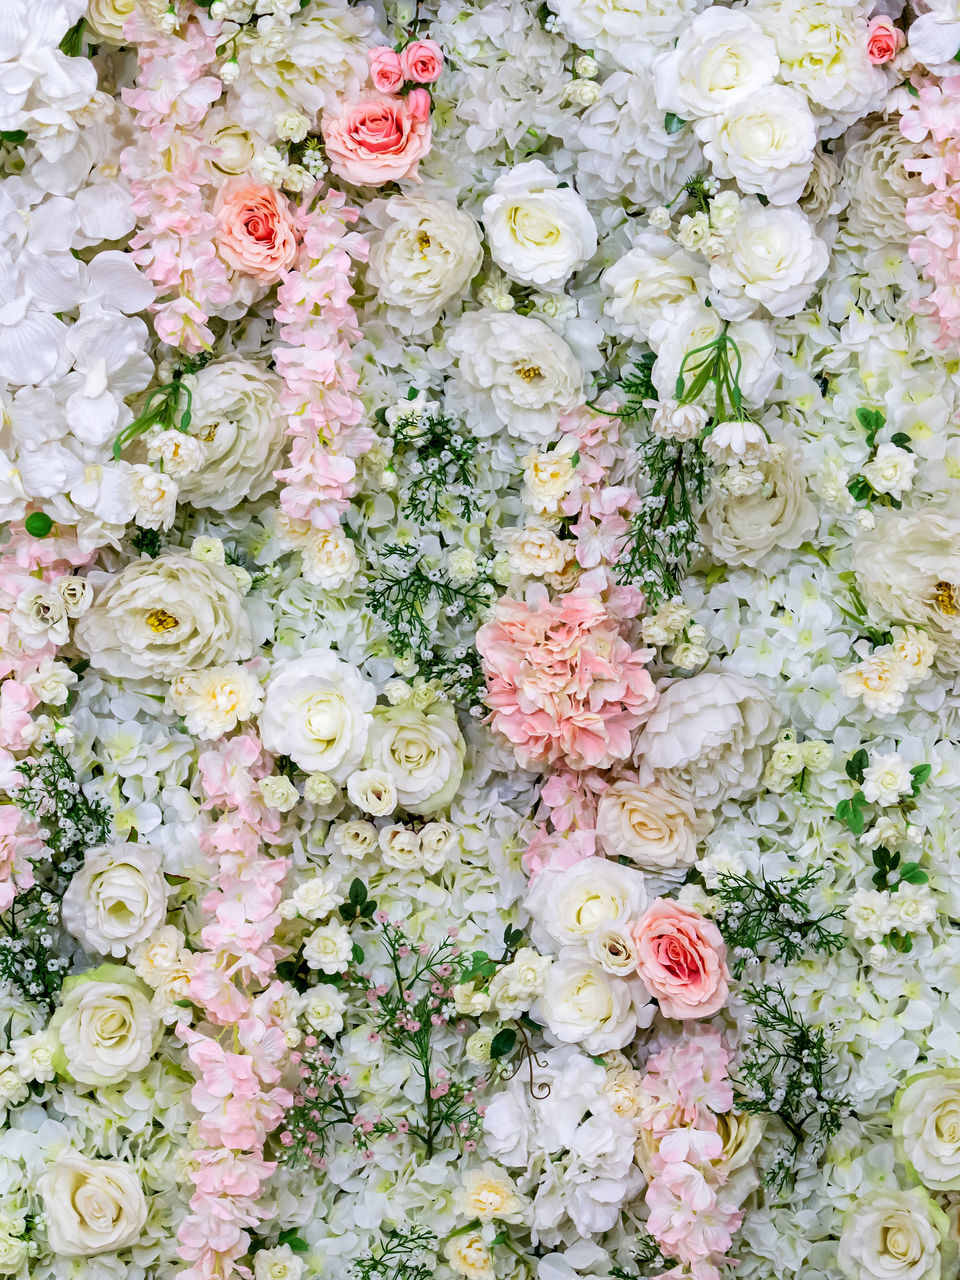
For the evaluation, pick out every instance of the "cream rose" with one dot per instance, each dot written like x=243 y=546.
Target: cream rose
x=655 y=275
x=926 y=1125
x=92 y=1206
x=467 y=1255
x=105 y=1025
x=539 y=232
x=116 y=899
x=317 y=711
x=896 y=1235
x=706 y=737
x=236 y=420
x=657 y=830
x=106 y=18
x=772 y=258
x=489 y=1194
x=764 y=142
x=424 y=257
x=569 y=905
x=582 y=1004
x=518 y=367
x=157 y=618
x=515 y=986
x=722 y=56
x=422 y=752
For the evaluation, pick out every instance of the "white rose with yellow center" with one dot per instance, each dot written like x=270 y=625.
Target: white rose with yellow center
x=116 y=899
x=764 y=142
x=539 y=232
x=92 y=1206
x=897 y=1235
x=926 y=1125
x=105 y=1024
x=720 y=58
x=421 y=752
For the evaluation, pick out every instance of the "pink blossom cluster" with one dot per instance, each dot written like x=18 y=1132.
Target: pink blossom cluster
x=564 y=683
x=693 y=1203
x=19 y=846
x=319 y=397
x=240 y=1051
x=934 y=124
x=168 y=167
x=601 y=508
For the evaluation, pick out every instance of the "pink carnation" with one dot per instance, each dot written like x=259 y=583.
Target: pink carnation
x=682 y=960
x=374 y=140
x=563 y=683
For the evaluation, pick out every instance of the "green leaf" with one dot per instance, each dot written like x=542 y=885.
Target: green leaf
x=870 y=419
x=356 y=953
x=13 y=136
x=919 y=773
x=358 y=892
x=902 y=441
x=859 y=488
x=503 y=1042
x=851 y=813
x=911 y=872
x=673 y=123
x=857 y=764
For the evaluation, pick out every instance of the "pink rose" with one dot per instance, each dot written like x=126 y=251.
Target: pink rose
x=375 y=140
x=883 y=40
x=418 y=104
x=385 y=68
x=682 y=960
x=422 y=61
x=255 y=229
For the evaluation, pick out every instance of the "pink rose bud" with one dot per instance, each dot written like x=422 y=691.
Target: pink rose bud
x=422 y=61
x=418 y=104
x=385 y=68
x=883 y=40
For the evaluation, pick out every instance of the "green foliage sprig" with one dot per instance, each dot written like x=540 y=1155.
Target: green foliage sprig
x=771 y=920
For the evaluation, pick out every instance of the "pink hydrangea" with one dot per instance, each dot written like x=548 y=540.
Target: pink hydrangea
x=564 y=684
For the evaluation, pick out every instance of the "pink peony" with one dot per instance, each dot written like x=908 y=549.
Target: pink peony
x=682 y=960
x=422 y=61
x=563 y=684
x=255 y=231
x=375 y=140
x=385 y=68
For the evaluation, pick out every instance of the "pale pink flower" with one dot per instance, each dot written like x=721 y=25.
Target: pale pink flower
x=374 y=140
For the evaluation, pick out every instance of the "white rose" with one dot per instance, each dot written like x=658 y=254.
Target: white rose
x=533 y=550
x=39 y=616
x=436 y=842
x=926 y=1125
x=236 y=418
x=34 y=1056
x=467 y=1255
x=400 y=847
x=706 y=736
x=105 y=1024
x=549 y=477
x=328 y=948
x=324 y=1009
x=581 y=1004
x=515 y=986
x=177 y=451
x=154 y=496
x=278 y=792
x=880 y=681
x=356 y=839
x=891 y=470
x=896 y=1235
x=771 y=258
x=160 y=956
x=107 y=17
x=691 y=324
x=92 y=1206
x=886 y=779
x=215 y=701
x=655 y=829
x=614 y=950
x=317 y=897
x=76 y=594
x=744 y=529
x=539 y=232
x=278 y=1263
x=908 y=570
x=157 y=618
x=675 y=421
x=765 y=142
x=629 y=32
x=317 y=711
x=422 y=752
x=51 y=682
x=520 y=368
x=14 y=1254
x=116 y=899
x=424 y=257
x=234 y=146
x=489 y=1194
x=722 y=56
x=374 y=791
x=568 y=906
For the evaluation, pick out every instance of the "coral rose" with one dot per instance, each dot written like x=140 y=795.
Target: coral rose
x=422 y=61
x=682 y=960
x=255 y=229
x=375 y=140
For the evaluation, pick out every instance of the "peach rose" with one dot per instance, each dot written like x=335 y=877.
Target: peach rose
x=422 y=61
x=682 y=960
x=255 y=229
x=883 y=40
x=375 y=140
x=385 y=68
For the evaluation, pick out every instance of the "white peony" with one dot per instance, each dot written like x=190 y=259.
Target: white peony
x=721 y=58
x=706 y=736
x=654 y=276
x=423 y=257
x=539 y=232
x=896 y=1235
x=92 y=1206
x=628 y=32
x=520 y=368
x=878 y=183
x=421 y=752
x=764 y=142
x=926 y=1124
x=157 y=618
x=105 y=1024
x=116 y=899
x=317 y=711
x=583 y=1005
x=771 y=258
x=568 y=905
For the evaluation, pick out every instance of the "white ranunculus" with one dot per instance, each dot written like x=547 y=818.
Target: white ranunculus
x=520 y=368
x=236 y=419
x=764 y=142
x=908 y=571
x=774 y=515
x=317 y=711
x=926 y=1124
x=156 y=618
x=116 y=899
x=657 y=830
x=215 y=701
x=92 y=1206
x=278 y=1263
x=538 y=231
x=722 y=56
x=772 y=258
x=656 y=274
x=628 y=32
x=569 y=905
x=105 y=1025
x=896 y=1235
x=422 y=752
x=706 y=736
x=582 y=1004
x=423 y=257
x=891 y=470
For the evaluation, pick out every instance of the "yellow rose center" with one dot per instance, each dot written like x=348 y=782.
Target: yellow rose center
x=528 y=372
x=946 y=598
x=159 y=621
